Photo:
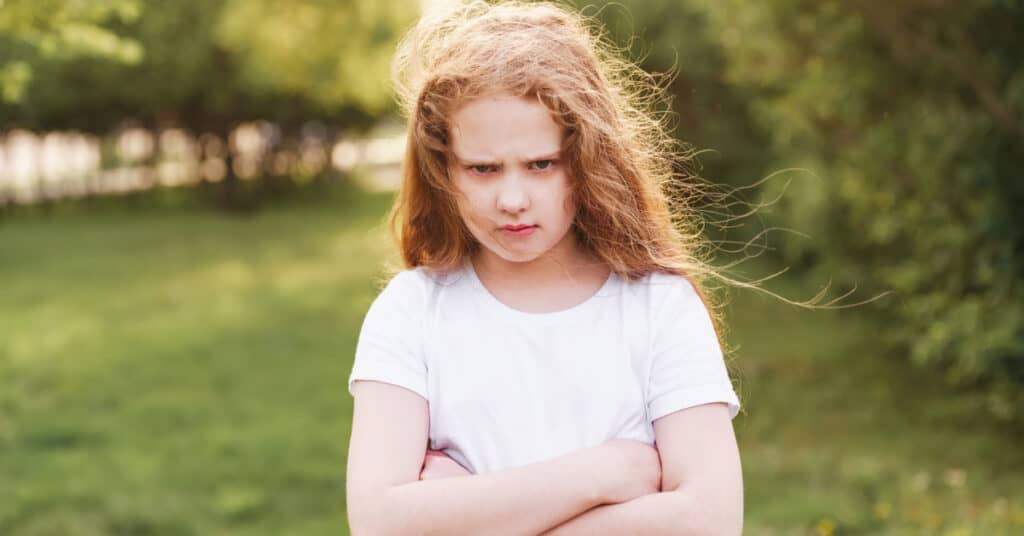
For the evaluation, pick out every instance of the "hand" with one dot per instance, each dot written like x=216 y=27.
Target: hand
x=632 y=468
x=437 y=464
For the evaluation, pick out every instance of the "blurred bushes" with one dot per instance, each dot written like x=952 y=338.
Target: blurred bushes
x=906 y=123
x=669 y=38
x=204 y=64
x=32 y=31
x=909 y=115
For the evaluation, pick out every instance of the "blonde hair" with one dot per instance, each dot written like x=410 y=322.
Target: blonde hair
x=628 y=173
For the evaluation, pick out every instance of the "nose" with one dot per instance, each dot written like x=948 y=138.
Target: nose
x=513 y=196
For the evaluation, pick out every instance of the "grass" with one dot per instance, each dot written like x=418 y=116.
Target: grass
x=167 y=369
x=840 y=438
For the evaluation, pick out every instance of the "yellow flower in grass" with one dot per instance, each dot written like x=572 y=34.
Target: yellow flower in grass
x=825 y=527
x=1017 y=517
x=883 y=510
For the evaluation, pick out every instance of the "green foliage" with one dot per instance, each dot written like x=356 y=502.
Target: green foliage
x=39 y=30
x=181 y=69
x=910 y=117
x=331 y=52
x=669 y=38
x=206 y=64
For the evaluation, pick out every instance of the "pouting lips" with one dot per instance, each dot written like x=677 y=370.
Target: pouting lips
x=520 y=230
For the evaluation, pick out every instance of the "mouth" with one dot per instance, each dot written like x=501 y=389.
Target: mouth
x=519 y=230
x=517 y=227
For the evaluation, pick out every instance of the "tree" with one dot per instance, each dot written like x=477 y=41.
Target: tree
x=210 y=64
x=911 y=115
x=38 y=30
x=213 y=61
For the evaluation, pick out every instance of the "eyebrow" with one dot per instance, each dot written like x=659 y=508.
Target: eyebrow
x=487 y=161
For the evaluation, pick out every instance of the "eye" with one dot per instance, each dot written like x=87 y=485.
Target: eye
x=544 y=165
x=481 y=169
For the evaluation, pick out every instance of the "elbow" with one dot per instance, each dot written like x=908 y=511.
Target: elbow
x=379 y=516
x=711 y=526
x=369 y=529
x=383 y=526
x=361 y=523
x=709 y=516
x=356 y=529
x=365 y=517
x=368 y=525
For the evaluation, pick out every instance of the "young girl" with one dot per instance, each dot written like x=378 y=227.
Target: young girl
x=545 y=363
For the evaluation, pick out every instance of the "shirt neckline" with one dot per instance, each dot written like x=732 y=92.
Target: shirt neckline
x=503 y=309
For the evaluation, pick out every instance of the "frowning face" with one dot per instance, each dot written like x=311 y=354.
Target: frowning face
x=516 y=198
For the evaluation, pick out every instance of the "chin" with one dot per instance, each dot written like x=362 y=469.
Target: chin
x=512 y=255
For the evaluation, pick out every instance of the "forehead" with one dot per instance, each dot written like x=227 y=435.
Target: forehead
x=504 y=127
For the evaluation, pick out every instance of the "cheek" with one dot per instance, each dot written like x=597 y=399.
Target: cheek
x=465 y=197
x=469 y=205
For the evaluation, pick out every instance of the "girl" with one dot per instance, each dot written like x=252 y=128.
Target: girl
x=545 y=363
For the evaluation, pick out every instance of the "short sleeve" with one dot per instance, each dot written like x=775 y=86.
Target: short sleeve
x=687 y=367
x=389 y=347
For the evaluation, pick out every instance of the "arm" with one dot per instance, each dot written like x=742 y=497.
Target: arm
x=657 y=513
x=385 y=496
x=644 y=515
x=702 y=483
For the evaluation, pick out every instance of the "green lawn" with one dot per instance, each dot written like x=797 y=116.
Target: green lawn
x=173 y=370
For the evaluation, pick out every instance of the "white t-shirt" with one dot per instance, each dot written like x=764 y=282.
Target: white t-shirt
x=507 y=388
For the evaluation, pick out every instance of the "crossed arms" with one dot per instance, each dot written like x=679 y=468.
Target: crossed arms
x=692 y=483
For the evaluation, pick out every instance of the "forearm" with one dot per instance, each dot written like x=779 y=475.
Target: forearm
x=664 y=513
x=523 y=500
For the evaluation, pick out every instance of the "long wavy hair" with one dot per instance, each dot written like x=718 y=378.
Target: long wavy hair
x=628 y=174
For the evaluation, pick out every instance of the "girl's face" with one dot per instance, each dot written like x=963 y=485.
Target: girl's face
x=516 y=199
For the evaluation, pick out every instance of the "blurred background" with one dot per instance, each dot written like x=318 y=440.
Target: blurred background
x=191 y=204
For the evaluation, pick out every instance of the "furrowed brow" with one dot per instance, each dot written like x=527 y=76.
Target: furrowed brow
x=470 y=161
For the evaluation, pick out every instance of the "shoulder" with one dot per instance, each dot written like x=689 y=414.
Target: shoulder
x=416 y=286
x=399 y=305
x=409 y=281
x=661 y=290
x=670 y=281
